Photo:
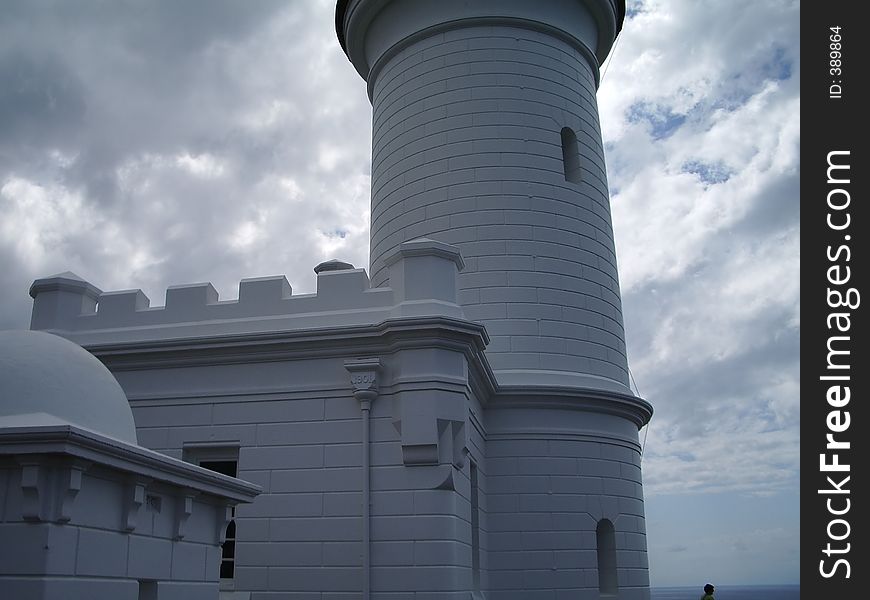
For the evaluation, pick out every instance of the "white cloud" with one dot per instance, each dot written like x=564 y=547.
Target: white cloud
x=38 y=218
x=700 y=114
x=202 y=165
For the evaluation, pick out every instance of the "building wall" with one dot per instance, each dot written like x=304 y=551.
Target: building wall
x=545 y=479
x=297 y=431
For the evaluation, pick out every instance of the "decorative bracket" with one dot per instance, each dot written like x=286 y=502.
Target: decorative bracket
x=454 y=442
x=432 y=425
x=70 y=486
x=31 y=506
x=134 y=500
x=183 y=510
x=49 y=487
x=223 y=518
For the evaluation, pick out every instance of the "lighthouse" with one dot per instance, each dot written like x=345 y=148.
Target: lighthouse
x=456 y=422
x=485 y=135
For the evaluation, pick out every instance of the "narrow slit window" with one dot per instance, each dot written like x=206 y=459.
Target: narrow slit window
x=571 y=155
x=606 y=539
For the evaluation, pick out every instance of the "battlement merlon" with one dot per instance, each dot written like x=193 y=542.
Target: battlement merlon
x=422 y=283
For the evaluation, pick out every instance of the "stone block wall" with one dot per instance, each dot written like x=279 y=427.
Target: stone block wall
x=297 y=431
x=467 y=149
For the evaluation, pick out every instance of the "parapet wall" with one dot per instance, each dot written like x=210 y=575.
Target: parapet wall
x=423 y=278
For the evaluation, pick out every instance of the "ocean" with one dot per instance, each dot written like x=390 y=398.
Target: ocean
x=729 y=592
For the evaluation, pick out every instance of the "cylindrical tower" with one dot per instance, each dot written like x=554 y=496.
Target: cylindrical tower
x=486 y=136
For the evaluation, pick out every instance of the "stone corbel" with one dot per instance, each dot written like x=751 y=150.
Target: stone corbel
x=453 y=442
x=70 y=485
x=31 y=491
x=444 y=480
x=223 y=518
x=183 y=510
x=49 y=488
x=135 y=498
x=432 y=427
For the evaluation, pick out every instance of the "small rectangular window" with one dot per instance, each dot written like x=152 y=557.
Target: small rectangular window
x=147 y=589
x=224 y=467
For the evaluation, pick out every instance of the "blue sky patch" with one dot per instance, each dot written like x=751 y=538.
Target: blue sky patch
x=662 y=120
x=778 y=67
x=709 y=173
x=635 y=9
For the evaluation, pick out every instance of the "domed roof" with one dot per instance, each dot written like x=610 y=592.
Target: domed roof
x=45 y=373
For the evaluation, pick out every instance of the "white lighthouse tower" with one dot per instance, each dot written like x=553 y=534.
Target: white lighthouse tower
x=486 y=136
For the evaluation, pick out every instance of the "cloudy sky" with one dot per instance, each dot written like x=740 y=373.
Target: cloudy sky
x=147 y=144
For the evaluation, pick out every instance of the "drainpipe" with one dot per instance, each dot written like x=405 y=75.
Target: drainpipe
x=364 y=379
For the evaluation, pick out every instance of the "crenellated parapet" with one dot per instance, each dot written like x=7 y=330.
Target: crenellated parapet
x=422 y=283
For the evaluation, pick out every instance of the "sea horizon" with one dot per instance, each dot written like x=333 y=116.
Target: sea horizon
x=785 y=591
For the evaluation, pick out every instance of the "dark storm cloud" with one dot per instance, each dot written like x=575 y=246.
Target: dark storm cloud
x=106 y=81
x=41 y=100
x=151 y=143
x=139 y=50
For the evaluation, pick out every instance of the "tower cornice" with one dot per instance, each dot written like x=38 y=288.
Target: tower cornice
x=369 y=30
x=589 y=400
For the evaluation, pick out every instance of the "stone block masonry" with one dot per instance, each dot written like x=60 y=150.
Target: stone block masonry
x=467 y=124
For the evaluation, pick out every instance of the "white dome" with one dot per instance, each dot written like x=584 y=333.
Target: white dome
x=44 y=373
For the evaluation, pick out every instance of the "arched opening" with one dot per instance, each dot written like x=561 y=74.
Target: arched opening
x=606 y=539
x=570 y=155
x=224 y=460
x=228 y=548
